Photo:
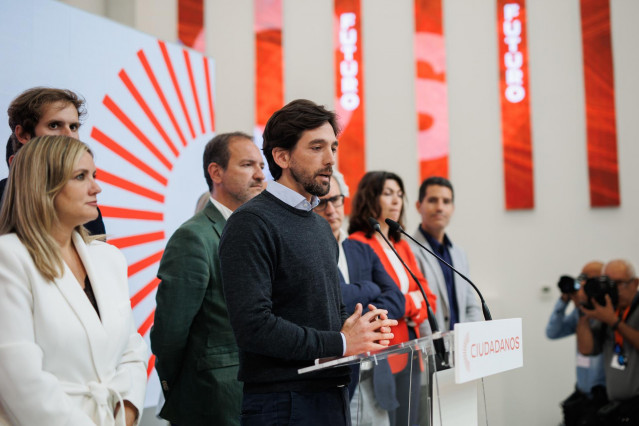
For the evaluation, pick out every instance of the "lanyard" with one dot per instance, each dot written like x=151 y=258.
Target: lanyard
x=618 y=337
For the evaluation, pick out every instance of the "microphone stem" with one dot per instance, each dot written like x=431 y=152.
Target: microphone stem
x=432 y=321
x=484 y=306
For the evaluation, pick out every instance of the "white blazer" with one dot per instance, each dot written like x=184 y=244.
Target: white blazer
x=61 y=364
x=467 y=300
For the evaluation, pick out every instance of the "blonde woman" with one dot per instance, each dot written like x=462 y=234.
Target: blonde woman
x=69 y=351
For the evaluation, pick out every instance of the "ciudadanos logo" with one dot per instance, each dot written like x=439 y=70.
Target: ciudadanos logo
x=483 y=349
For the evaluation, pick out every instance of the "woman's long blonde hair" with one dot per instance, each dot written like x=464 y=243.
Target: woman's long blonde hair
x=38 y=173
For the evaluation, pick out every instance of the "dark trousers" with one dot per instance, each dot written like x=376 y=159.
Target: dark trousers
x=330 y=407
x=580 y=409
x=619 y=413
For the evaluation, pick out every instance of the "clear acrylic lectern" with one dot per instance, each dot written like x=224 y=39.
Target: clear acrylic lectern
x=428 y=395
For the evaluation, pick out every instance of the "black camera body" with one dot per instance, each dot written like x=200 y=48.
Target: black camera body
x=568 y=285
x=596 y=288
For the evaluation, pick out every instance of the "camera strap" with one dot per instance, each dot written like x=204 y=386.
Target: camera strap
x=622 y=317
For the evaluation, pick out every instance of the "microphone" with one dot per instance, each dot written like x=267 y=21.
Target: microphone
x=431 y=316
x=440 y=350
x=394 y=227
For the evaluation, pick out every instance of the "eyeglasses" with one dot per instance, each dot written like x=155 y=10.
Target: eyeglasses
x=336 y=201
x=621 y=283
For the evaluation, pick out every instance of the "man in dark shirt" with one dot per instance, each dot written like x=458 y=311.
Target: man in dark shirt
x=42 y=111
x=456 y=300
x=279 y=272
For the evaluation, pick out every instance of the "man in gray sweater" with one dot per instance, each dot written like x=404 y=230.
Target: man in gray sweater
x=281 y=282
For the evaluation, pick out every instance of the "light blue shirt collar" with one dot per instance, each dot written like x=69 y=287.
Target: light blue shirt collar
x=290 y=197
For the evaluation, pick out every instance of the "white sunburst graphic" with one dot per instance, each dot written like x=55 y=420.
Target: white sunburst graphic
x=148 y=147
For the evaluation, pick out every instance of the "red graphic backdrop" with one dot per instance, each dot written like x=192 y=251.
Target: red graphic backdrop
x=193 y=116
x=269 y=65
x=191 y=23
x=515 y=104
x=349 y=91
x=601 y=130
x=430 y=88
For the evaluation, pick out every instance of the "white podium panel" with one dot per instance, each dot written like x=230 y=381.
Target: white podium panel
x=487 y=347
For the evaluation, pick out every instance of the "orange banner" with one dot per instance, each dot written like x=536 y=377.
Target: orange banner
x=269 y=63
x=601 y=129
x=191 y=24
x=430 y=89
x=349 y=91
x=515 y=104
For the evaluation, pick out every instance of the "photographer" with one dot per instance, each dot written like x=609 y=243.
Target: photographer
x=615 y=333
x=590 y=391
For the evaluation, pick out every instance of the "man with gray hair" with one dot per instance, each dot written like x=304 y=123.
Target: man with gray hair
x=616 y=335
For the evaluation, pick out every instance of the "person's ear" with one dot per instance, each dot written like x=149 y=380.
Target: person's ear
x=215 y=172
x=282 y=157
x=21 y=134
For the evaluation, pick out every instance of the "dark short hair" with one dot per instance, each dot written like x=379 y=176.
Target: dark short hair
x=217 y=151
x=10 y=149
x=435 y=180
x=285 y=127
x=366 y=202
x=26 y=110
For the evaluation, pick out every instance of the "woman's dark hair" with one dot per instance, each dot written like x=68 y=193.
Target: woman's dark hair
x=366 y=202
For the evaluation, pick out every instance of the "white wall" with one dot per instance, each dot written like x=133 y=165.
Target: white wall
x=513 y=254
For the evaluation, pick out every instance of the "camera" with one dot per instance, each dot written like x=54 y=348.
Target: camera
x=568 y=285
x=597 y=288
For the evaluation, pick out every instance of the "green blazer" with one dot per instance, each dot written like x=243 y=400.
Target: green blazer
x=196 y=353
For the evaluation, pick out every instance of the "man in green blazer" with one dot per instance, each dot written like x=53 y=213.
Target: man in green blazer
x=196 y=353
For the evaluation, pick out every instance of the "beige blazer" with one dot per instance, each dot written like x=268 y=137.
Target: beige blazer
x=61 y=364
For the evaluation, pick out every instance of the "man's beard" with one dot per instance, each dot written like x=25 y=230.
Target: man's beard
x=309 y=183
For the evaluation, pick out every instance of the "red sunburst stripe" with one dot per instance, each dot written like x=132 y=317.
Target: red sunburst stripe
x=146 y=325
x=187 y=60
x=121 y=213
x=209 y=92
x=150 y=366
x=169 y=67
x=111 y=105
x=112 y=145
x=145 y=263
x=144 y=291
x=136 y=240
x=145 y=107
x=160 y=93
x=127 y=185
